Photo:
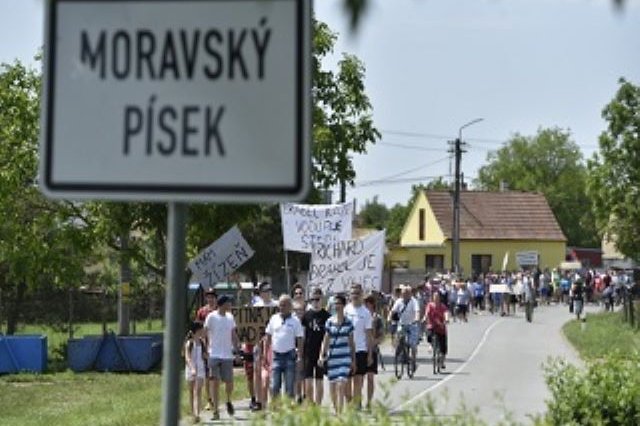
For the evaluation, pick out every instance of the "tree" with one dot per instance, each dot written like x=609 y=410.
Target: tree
x=342 y=122
x=549 y=163
x=614 y=172
x=41 y=243
x=374 y=214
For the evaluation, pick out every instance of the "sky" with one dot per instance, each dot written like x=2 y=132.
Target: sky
x=434 y=65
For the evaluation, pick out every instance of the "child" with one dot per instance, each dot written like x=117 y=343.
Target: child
x=195 y=354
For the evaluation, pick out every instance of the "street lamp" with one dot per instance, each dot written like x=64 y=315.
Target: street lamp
x=455 y=247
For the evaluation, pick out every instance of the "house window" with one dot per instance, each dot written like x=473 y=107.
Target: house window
x=434 y=262
x=421 y=225
x=480 y=263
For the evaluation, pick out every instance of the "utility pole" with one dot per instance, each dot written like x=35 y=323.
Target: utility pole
x=455 y=246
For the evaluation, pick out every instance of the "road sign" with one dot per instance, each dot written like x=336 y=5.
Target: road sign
x=167 y=100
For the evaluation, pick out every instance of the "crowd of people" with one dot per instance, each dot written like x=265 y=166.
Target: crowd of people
x=306 y=342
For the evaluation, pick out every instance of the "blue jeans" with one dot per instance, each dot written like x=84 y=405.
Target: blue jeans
x=283 y=363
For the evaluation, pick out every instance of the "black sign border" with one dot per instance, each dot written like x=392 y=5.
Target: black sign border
x=166 y=189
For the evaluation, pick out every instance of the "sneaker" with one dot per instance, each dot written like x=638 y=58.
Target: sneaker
x=256 y=406
x=444 y=367
x=230 y=409
x=216 y=415
x=209 y=406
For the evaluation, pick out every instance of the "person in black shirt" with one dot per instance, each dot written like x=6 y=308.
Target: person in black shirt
x=313 y=322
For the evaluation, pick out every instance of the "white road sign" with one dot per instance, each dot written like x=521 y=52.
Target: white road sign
x=172 y=100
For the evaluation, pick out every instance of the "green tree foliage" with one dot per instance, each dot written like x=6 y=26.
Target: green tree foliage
x=606 y=392
x=614 y=172
x=342 y=122
x=41 y=243
x=549 y=163
x=374 y=214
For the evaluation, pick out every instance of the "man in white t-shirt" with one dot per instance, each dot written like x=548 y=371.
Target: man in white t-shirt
x=223 y=344
x=284 y=338
x=407 y=310
x=363 y=339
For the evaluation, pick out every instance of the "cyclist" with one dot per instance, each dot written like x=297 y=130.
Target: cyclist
x=436 y=317
x=408 y=311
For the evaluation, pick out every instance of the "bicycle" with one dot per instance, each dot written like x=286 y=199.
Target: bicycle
x=403 y=355
x=438 y=356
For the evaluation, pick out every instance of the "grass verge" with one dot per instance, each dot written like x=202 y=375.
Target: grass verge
x=602 y=334
x=88 y=398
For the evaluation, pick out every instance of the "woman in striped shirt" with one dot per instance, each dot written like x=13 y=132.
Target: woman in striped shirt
x=338 y=350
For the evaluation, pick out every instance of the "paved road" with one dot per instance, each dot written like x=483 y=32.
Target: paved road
x=494 y=364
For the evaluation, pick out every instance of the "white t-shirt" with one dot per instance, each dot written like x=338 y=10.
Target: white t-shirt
x=409 y=314
x=284 y=333
x=219 y=330
x=362 y=321
x=260 y=303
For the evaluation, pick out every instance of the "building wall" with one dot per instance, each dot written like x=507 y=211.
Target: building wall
x=411 y=232
x=551 y=253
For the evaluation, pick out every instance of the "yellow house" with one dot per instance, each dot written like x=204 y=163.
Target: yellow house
x=498 y=231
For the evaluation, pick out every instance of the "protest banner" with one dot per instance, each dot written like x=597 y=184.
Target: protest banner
x=216 y=262
x=251 y=322
x=334 y=267
x=305 y=225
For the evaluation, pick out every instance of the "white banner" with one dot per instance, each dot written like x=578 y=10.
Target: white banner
x=220 y=259
x=336 y=266
x=304 y=225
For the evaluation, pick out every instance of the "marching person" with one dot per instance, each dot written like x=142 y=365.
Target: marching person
x=194 y=369
x=408 y=313
x=284 y=338
x=257 y=380
x=436 y=318
x=378 y=334
x=223 y=344
x=314 y=322
x=211 y=305
x=363 y=338
x=337 y=353
x=298 y=310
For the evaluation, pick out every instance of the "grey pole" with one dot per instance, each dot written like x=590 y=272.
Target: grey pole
x=175 y=302
x=455 y=252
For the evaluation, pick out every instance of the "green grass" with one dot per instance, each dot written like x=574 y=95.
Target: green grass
x=602 y=334
x=61 y=397
x=88 y=398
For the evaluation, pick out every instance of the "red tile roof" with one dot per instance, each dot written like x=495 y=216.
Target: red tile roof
x=507 y=215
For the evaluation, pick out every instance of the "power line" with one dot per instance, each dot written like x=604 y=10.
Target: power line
x=406 y=172
x=405 y=146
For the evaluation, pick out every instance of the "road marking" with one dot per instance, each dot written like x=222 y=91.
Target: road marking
x=450 y=376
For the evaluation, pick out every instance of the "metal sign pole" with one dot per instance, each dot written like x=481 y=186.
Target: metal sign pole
x=175 y=301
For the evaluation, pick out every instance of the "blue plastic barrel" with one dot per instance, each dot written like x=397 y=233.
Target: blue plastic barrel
x=23 y=353
x=115 y=353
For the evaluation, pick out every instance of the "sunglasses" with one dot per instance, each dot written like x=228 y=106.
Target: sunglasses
x=265 y=290
x=315 y=300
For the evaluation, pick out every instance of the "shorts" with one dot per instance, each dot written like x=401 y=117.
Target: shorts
x=221 y=369
x=462 y=309
x=361 y=363
x=411 y=334
x=311 y=368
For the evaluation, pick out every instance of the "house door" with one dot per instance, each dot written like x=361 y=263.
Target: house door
x=480 y=263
